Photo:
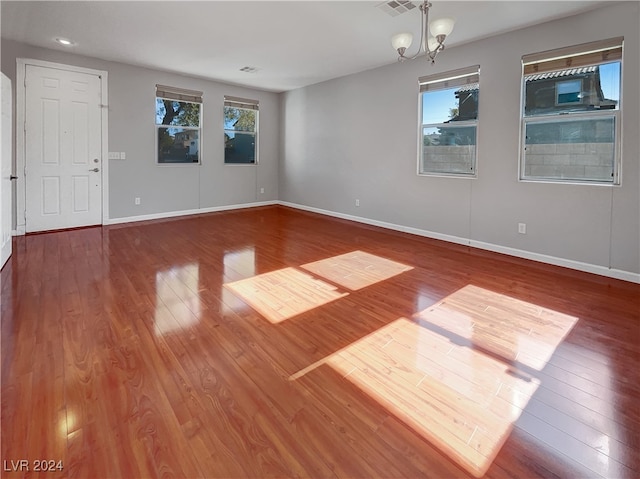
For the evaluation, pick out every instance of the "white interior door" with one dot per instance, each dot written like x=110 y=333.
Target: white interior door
x=63 y=159
x=5 y=172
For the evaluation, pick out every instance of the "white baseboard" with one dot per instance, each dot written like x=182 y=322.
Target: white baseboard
x=543 y=258
x=197 y=211
x=382 y=224
x=554 y=260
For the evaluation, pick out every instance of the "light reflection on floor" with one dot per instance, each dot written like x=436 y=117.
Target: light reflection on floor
x=595 y=414
x=452 y=374
x=239 y=264
x=177 y=299
x=356 y=270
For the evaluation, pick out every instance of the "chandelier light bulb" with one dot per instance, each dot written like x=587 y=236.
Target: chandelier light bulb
x=442 y=26
x=401 y=40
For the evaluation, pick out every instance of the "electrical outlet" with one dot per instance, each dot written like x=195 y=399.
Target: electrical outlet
x=357 y=202
x=137 y=200
x=522 y=228
x=262 y=191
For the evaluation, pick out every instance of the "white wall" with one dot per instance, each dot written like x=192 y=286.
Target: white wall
x=166 y=189
x=357 y=137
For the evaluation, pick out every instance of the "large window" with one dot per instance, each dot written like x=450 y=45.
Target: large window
x=178 y=125
x=571 y=114
x=240 y=130
x=449 y=106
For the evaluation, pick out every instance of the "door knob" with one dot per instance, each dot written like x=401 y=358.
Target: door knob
x=95 y=169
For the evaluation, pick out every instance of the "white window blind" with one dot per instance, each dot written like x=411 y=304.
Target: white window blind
x=178 y=94
x=586 y=54
x=450 y=79
x=236 y=102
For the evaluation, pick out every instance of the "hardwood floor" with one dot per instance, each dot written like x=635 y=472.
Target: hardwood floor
x=128 y=351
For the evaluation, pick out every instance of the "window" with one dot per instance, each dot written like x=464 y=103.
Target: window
x=571 y=114
x=449 y=103
x=178 y=125
x=240 y=130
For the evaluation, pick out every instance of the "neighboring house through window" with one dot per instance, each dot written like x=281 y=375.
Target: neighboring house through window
x=571 y=114
x=569 y=92
x=240 y=130
x=178 y=125
x=449 y=114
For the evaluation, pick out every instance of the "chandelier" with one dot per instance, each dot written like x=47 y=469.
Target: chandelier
x=430 y=45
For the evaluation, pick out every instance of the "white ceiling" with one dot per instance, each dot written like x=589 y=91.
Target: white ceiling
x=292 y=43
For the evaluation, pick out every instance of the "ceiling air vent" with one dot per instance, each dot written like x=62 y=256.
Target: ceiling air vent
x=394 y=8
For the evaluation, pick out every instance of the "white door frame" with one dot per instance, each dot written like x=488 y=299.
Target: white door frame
x=21 y=190
x=6 y=162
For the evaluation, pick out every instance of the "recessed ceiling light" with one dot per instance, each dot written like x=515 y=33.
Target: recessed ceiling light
x=64 y=41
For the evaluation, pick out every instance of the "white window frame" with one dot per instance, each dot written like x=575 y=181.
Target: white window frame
x=445 y=81
x=183 y=95
x=243 y=104
x=594 y=53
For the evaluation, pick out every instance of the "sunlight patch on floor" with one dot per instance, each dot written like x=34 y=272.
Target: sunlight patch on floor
x=282 y=294
x=356 y=270
x=452 y=373
x=515 y=330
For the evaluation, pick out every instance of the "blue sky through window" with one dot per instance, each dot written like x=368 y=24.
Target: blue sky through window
x=610 y=80
x=436 y=104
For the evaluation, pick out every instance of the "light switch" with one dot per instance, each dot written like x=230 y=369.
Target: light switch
x=123 y=155
x=114 y=155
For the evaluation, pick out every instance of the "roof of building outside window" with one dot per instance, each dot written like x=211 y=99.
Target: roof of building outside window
x=469 y=87
x=561 y=73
